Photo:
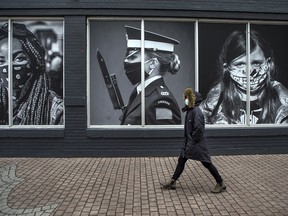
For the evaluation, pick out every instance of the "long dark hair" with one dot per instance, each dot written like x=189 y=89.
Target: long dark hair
x=235 y=46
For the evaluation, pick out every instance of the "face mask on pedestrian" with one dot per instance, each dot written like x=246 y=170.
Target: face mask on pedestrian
x=186 y=101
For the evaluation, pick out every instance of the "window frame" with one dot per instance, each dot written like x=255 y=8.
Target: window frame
x=30 y=129
x=196 y=22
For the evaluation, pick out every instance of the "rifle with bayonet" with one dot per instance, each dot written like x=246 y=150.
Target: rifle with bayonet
x=111 y=84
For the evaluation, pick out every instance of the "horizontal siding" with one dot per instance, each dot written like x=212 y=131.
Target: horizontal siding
x=68 y=147
x=266 y=6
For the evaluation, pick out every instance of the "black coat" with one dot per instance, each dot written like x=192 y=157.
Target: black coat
x=195 y=144
x=161 y=108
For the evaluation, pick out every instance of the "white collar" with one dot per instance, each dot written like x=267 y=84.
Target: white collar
x=147 y=82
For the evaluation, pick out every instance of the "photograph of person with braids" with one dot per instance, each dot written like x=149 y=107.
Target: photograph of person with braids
x=34 y=102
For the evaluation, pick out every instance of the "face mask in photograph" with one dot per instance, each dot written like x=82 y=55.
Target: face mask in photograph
x=259 y=65
x=20 y=76
x=257 y=77
x=4 y=76
x=133 y=71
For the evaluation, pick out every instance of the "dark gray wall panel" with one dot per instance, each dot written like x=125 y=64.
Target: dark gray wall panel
x=265 y=6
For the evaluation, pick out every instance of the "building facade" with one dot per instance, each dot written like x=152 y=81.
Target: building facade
x=66 y=76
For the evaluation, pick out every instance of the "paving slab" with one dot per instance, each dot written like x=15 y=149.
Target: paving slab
x=256 y=185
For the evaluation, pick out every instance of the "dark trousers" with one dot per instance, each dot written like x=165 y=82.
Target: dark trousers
x=212 y=169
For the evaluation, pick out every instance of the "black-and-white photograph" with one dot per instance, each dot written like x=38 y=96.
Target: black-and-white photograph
x=225 y=86
x=4 y=114
x=36 y=72
x=115 y=71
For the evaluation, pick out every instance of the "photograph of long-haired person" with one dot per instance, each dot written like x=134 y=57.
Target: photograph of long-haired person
x=225 y=102
x=34 y=102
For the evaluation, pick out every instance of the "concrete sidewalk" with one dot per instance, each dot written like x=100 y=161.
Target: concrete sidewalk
x=257 y=185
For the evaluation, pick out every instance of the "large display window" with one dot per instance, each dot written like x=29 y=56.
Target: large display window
x=138 y=71
x=31 y=72
x=233 y=96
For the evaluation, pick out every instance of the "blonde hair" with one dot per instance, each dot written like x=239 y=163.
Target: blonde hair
x=189 y=94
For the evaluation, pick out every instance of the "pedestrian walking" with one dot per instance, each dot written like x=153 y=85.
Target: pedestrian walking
x=195 y=145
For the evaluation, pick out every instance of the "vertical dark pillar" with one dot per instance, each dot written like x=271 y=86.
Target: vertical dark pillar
x=75 y=80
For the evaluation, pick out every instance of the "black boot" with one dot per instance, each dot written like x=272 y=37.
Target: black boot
x=220 y=187
x=169 y=185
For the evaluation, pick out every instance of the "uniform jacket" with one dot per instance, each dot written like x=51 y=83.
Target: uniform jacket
x=195 y=145
x=161 y=108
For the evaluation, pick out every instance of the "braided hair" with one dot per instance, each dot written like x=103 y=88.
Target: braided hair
x=32 y=106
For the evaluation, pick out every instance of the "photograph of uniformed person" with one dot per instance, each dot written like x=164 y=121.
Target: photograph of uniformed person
x=115 y=57
x=161 y=108
x=34 y=103
x=225 y=102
